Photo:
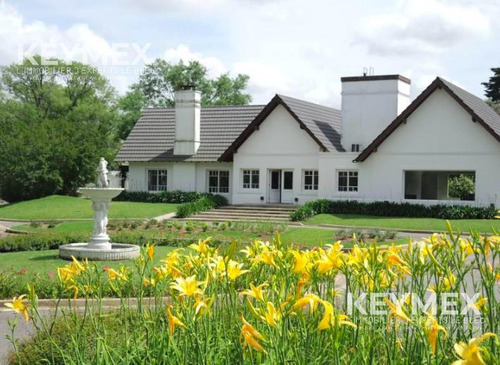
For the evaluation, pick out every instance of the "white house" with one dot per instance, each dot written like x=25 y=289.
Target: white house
x=380 y=146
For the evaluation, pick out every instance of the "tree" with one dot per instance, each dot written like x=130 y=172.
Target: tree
x=159 y=81
x=493 y=86
x=56 y=121
x=461 y=186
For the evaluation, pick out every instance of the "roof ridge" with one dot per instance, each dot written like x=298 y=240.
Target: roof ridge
x=308 y=102
x=210 y=107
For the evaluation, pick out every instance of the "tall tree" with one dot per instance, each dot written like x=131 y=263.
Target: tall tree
x=56 y=121
x=159 y=81
x=492 y=87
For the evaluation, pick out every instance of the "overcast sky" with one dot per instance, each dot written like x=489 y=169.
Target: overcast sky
x=299 y=48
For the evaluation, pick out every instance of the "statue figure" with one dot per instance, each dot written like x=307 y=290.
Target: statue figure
x=100 y=217
x=102 y=174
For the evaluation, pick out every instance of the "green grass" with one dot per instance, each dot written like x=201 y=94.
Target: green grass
x=66 y=207
x=422 y=224
x=48 y=261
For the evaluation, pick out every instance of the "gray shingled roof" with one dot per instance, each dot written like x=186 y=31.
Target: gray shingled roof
x=478 y=106
x=152 y=138
x=325 y=123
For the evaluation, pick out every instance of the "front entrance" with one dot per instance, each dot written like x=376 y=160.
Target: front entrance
x=280 y=186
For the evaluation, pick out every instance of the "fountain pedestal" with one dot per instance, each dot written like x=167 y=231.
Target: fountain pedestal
x=99 y=247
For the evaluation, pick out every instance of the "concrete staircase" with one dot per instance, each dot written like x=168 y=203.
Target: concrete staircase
x=248 y=213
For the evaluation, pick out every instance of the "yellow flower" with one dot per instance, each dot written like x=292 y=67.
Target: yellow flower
x=150 y=251
x=202 y=306
x=251 y=336
x=188 y=287
x=271 y=315
x=18 y=306
x=202 y=246
x=75 y=288
x=432 y=329
x=396 y=311
x=330 y=319
x=311 y=300
x=256 y=291
x=301 y=261
x=470 y=352
x=234 y=270
x=118 y=275
x=148 y=282
x=480 y=303
x=173 y=321
x=330 y=259
x=266 y=257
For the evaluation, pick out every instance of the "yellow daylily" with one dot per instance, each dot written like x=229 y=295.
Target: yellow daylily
x=480 y=303
x=331 y=259
x=173 y=321
x=18 y=306
x=310 y=299
x=234 y=270
x=432 y=328
x=271 y=315
x=256 y=291
x=202 y=246
x=251 y=336
x=118 y=275
x=150 y=251
x=330 y=319
x=301 y=261
x=266 y=257
x=470 y=352
x=149 y=282
x=397 y=312
x=202 y=306
x=188 y=287
x=75 y=289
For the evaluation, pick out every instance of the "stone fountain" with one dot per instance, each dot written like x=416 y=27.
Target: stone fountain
x=100 y=247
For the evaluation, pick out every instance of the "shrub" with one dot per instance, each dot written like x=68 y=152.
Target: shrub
x=206 y=202
x=461 y=186
x=174 y=197
x=390 y=209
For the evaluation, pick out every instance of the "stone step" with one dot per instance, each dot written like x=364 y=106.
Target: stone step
x=235 y=219
x=249 y=213
x=277 y=208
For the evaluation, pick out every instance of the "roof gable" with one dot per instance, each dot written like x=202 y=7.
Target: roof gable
x=475 y=106
x=321 y=123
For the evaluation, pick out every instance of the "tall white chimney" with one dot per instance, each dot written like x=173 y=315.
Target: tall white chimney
x=187 y=122
x=369 y=104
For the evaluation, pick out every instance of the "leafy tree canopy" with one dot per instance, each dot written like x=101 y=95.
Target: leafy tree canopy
x=492 y=87
x=159 y=81
x=55 y=122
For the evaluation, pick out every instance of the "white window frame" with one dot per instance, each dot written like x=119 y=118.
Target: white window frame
x=217 y=189
x=158 y=175
x=355 y=189
x=251 y=185
x=314 y=174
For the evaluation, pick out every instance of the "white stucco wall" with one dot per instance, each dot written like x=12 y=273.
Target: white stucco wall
x=279 y=143
x=439 y=135
x=186 y=176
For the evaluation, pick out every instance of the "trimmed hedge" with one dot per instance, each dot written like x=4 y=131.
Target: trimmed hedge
x=204 y=203
x=174 y=197
x=389 y=209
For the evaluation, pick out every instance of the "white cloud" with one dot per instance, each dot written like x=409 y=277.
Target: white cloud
x=215 y=66
x=423 y=26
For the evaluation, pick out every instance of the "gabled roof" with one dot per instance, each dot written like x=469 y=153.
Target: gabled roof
x=322 y=123
x=152 y=138
x=480 y=112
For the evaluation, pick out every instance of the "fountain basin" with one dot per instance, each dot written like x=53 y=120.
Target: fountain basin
x=118 y=251
x=100 y=193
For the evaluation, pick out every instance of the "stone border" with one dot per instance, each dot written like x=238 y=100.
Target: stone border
x=119 y=251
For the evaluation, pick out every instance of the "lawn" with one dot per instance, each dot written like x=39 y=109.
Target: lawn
x=66 y=207
x=420 y=224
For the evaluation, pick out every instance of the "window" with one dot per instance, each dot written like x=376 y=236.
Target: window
x=218 y=181
x=439 y=185
x=250 y=179
x=348 y=181
x=355 y=148
x=311 y=180
x=157 y=180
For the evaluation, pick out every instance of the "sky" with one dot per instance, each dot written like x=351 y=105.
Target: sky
x=299 y=48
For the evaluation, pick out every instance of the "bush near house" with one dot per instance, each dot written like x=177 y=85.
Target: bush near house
x=390 y=209
x=174 y=197
x=204 y=203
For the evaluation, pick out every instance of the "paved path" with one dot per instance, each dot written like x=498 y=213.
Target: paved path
x=165 y=217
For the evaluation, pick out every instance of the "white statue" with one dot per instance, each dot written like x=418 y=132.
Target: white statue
x=100 y=209
x=102 y=174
